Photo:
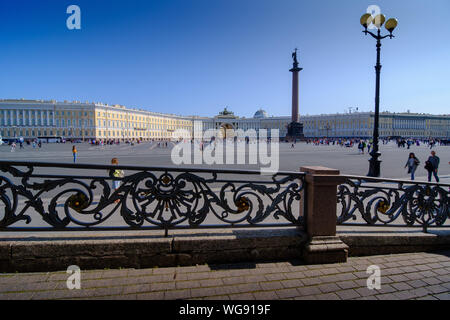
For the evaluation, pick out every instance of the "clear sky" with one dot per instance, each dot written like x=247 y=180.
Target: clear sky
x=197 y=56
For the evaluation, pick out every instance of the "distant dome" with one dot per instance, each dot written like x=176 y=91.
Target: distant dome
x=260 y=114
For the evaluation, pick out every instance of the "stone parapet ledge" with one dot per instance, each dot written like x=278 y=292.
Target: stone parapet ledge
x=148 y=249
x=320 y=214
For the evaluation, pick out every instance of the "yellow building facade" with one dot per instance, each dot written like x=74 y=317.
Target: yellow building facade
x=75 y=120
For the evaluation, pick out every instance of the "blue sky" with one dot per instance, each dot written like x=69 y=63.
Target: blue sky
x=198 y=56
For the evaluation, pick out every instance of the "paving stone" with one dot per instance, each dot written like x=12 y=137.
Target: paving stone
x=387 y=296
x=405 y=295
x=420 y=292
x=413 y=276
x=443 y=296
x=401 y=286
x=177 y=294
x=217 y=298
x=295 y=275
x=203 y=292
x=312 y=273
x=365 y=292
x=287 y=293
x=242 y=296
x=305 y=298
x=275 y=276
x=163 y=286
x=386 y=288
x=348 y=294
x=249 y=287
x=292 y=283
x=327 y=296
x=139 y=288
x=349 y=284
x=441 y=271
x=150 y=296
x=265 y=295
x=329 y=287
x=432 y=280
x=273 y=285
x=427 y=298
x=417 y=283
x=399 y=278
x=211 y=282
x=187 y=284
x=437 y=289
x=311 y=281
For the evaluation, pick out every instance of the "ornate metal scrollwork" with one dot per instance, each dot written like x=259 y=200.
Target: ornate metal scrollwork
x=379 y=201
x=157 y=197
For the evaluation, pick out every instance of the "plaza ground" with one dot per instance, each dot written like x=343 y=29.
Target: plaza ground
x=421 y=276
x=347 y=160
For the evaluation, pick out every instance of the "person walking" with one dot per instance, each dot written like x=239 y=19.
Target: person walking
x=116 y=174
x=432 y=166
x=74 y=152
x=412 y=164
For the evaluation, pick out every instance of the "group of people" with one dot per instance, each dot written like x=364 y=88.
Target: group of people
x=362 y=145
x=431 y=165
x=34 y=143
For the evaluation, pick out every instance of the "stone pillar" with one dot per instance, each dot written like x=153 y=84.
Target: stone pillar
x=295 y=94
x=321 y=198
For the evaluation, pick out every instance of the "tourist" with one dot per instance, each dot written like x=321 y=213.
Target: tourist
x=412 y=164
x=74 y=152
x=432 y=166
x=116 y=174
x=13 y=147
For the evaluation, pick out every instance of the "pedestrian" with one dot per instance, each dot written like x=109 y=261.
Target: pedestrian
x=118 y=174
x=412 y=164
x=432 y=166
x=13 y=147
x=74 y=152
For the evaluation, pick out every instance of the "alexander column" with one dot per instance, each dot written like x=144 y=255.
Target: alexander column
x=295 y=128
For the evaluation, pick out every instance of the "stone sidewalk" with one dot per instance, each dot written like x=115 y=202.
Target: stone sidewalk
x=403 y=276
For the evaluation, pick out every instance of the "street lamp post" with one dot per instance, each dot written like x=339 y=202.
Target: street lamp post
x=391 y=24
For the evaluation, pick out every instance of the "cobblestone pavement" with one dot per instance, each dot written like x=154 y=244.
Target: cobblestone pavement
x=403 y=276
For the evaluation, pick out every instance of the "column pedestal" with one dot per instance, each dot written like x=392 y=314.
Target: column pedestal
x=321 y=197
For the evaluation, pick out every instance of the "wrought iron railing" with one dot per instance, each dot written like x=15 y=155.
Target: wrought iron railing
x=55 y=196
x=375 y=201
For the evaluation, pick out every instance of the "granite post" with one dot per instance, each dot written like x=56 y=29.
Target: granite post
x=321 y=197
